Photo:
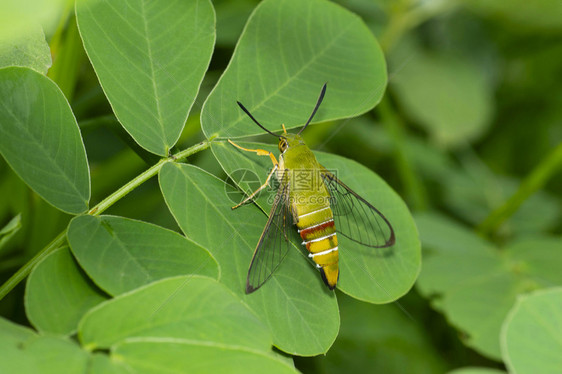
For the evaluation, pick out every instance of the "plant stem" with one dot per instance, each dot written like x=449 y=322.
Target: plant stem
x=24 y=271
x=146 y=175
x=404 y=18
x=414 y=190
x=97 y=210
x=533 y=182
x=68 y=56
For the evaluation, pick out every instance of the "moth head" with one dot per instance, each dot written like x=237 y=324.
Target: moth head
x=289 y=140
x=283 y=144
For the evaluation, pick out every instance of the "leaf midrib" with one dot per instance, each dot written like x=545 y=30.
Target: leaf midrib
x=160 y=120
x=40 y=146
x=288 y=81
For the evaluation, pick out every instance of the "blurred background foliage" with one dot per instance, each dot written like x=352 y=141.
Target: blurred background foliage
x=472 y=112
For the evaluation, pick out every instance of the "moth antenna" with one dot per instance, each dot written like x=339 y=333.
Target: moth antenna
x=320 y=98
x=253 y=119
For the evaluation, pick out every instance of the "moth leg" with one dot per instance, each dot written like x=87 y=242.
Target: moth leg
x=259 y=152
x=259 y=189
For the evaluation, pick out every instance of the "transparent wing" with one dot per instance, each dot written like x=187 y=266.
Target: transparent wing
x=274 y=241
x=354 y=217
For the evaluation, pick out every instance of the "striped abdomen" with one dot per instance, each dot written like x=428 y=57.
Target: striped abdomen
x=318 y=232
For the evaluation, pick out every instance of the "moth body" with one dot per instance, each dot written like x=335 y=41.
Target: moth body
x=309 y=202
x=318 y=203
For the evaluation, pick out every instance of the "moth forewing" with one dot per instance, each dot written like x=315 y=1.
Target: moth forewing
x=355 y=217
x=273 y=244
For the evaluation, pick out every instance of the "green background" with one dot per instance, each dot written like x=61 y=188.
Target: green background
x=119 y=250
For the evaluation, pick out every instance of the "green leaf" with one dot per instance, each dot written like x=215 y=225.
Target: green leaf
x=473 y=193
x=58 y=294
x=474 y=283
x=539 y=14
x=294 y=303
x=191 y=308
x=24 y=46
x=287 y=51
x=40 y=139
x=9 y=230
x=70 y=55
x=231 y=17
x=104 y=364
x=121 y=254
x=449 y=97
x=373 y=275
x=185 y=356
x=538 y=259
x=473 y=190
x=22 y=351
x=476 y=370
x=150 y=58
x=530 y=336
x=382 y=338
x=13 y=333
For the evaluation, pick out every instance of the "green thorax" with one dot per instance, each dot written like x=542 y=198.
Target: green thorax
x=298 y=155
x=301 y=169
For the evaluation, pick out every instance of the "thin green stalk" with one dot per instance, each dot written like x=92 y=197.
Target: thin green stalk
x=26 y=269
x=97 y=210
x=56 y=39
x=146 y=175
x=404 y=18
x=413 y=188
x=67 y=60
x=533 y=182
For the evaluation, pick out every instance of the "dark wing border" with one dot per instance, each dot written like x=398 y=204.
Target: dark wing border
x=352 y=211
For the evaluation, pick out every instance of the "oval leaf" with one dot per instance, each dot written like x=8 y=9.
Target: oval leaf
x=485 y=277
x=13 y=333
x=9 y=230
x=104 y=364
x=382 y=338
x=296 y=306
x=284 y=56
x=539 y=14
x=195 y=308
x=375 y=275
x=40 y=139
x=150 y=58
x=23 y=351
x=476 y=370
x=531 y=333
x=185 y=356
x=58 y=294
x=23 y=44
x=447 y=96
x=121 y=254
